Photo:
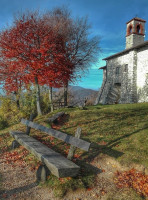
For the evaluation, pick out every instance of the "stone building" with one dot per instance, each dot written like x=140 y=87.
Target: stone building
x=125 y=76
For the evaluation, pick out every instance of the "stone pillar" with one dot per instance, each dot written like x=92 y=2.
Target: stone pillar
x=134 y=81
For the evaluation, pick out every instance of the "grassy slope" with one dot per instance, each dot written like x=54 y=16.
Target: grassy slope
x=121 y=130
x=116 y=130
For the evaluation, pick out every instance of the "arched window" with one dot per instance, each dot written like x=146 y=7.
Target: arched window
x=138 y=30
x=129 y=29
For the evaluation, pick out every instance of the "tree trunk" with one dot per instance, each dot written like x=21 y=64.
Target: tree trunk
x=65 y=94
x=17 y=100
x=51 y=98
x=18 y=104
x=38 y=97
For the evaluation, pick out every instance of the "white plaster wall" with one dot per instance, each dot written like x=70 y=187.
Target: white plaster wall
x=125 y=78
x=142 y=71
x=128 y=86
x=134 y=39
x=120 y=61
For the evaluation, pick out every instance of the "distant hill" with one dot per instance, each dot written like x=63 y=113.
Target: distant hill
x=82 y=92
x=78 y=94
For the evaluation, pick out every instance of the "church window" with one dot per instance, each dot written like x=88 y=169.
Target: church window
x=126 y=68
x=138 y=29
x=130 y=29
x=117 y=70
x=117 y=84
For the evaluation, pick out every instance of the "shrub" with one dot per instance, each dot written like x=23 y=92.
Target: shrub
x=9 y=111
x=45 y=104
x=3 y=123
x=28 y=104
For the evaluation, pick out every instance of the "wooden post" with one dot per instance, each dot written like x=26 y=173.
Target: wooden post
x=32 y=117
x=73 y=148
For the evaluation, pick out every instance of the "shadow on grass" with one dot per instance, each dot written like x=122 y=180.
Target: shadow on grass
x=96 y=149
x=62 y=120
x=107 y=149
x=111 y=143
x=87 y=169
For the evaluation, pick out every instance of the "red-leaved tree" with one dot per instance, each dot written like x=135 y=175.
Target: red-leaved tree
x=32 y=51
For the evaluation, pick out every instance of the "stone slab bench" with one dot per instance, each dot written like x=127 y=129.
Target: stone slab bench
x=52 y=161
x=79 y=143
x=55 y=162
x=55 y=117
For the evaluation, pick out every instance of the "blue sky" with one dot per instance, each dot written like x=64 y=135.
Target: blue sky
x=107 y=17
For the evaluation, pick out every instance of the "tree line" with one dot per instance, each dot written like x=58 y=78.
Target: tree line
x=48 y=49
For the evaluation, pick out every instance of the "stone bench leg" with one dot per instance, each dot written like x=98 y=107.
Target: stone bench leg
x=42 y=173
x=14 y=144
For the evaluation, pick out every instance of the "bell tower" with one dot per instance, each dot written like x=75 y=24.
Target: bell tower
x=135 y=32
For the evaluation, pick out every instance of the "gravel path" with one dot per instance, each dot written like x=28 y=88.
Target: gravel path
x=19 y=182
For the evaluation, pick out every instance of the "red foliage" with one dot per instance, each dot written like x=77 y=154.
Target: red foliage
x=134 y=179
x=15 y=157
x=32 y=48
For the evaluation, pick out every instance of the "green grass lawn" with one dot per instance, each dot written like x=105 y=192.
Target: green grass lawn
x=120 y=131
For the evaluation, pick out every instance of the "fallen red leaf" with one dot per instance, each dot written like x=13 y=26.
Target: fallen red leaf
x=89 y=189
x=134 y=179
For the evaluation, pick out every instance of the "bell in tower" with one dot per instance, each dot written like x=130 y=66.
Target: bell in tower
x=135 y=32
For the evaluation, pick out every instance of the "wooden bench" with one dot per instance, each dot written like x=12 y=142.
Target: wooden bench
x=52 y=161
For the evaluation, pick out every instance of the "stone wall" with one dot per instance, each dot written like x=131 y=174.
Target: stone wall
x=134 y=38
x=124 y=77
x=131 y=79
x=142 y=74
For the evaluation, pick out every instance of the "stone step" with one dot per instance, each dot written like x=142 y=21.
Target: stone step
x=113 y=95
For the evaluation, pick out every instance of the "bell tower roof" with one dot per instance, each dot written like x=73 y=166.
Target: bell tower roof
x=135 y=32
x=137 y=19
